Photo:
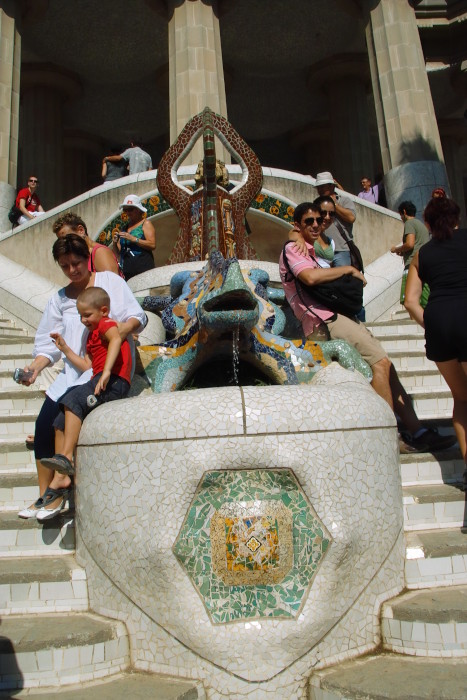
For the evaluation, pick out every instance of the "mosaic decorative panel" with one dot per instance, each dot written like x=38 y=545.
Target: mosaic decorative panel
x=251 y=544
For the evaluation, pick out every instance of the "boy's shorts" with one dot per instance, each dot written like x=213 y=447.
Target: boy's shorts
x=76 y=398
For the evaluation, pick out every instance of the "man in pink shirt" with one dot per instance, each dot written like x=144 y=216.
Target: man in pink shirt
x=320 y=323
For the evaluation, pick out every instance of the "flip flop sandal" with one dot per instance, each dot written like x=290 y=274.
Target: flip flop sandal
x=50 y=496
x=59 y=463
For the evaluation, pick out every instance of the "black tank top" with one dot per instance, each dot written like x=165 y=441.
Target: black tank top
x=443 y=266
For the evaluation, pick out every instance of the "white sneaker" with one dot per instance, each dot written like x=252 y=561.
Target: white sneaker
x=32 y=510
x=54 y=502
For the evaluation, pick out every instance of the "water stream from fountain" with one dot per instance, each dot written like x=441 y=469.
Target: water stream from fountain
x=236 y=353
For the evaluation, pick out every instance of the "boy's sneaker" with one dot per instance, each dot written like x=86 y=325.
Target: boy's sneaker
x=405 y=448
x=432 y=441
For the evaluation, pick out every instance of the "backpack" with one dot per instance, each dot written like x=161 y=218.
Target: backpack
x=14 y=214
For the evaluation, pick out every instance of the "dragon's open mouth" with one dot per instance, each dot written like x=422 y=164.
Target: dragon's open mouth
x=238 y=300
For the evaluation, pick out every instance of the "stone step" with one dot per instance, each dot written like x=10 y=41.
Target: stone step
x=8 y=332
x=15 y=457
x=434 y=506
x=16 y=346
x=126 y=686
x=17 y=490
x=427 y=623
x=411 y=359
x=59 y=649
x=432 y=403
x=425 y=468
x=392 y=327
x=402 y=341
x=9 y=361
x=436 y=558
x=42 y=584
x=19 y=537
x=21 y=398
x=415 y=379
x=391 y=677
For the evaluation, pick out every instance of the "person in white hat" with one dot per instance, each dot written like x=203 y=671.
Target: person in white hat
x=135 y=242
x=344 y=219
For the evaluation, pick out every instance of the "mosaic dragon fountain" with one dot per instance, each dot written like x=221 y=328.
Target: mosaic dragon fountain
x=226 y=307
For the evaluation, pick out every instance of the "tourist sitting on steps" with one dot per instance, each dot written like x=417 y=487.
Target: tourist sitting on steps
x=320 y=323
x=110 y=360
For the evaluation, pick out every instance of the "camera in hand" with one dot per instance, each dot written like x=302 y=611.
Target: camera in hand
x=21 y=375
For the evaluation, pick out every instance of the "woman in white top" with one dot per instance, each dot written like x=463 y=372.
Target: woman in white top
x=61 y=316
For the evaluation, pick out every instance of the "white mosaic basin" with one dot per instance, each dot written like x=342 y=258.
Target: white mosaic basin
x=287 y=560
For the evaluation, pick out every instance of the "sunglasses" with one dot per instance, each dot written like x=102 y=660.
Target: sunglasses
x=311 y=220
x=331 y=214
x=33 y=181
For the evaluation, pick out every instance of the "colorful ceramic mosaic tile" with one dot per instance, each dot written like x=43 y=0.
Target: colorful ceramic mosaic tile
x=251 y=544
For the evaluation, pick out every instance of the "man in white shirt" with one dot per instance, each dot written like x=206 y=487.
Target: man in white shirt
x=138 y=160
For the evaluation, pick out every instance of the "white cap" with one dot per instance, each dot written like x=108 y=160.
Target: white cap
x=132 y=200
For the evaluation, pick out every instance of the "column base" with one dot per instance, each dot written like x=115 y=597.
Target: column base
x=415 y=182
x=7 y=197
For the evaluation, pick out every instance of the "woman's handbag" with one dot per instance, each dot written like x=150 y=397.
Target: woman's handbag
x=356 y=259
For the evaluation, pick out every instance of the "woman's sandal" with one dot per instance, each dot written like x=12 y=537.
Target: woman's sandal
x=50 y=496
x=59 y=463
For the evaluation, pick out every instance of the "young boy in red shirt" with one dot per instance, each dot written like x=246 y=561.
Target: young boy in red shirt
x=110 y=360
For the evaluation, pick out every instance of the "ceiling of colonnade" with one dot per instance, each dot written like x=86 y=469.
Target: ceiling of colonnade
x=118 y=49
x=119 y=52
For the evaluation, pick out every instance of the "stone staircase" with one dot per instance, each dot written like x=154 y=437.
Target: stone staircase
x=50 y=642
x=423 y=653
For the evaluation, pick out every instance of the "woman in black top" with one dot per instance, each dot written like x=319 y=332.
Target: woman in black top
x=442 y=264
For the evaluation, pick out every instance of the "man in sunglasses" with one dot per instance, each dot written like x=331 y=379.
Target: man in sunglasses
x=320 y=323
x=346 y=214
x=28 y=201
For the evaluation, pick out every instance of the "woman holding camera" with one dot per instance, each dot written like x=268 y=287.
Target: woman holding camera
x=135 y=243
x=61 y=316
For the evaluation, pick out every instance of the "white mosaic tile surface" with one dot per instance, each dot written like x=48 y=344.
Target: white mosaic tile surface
x=133 y=495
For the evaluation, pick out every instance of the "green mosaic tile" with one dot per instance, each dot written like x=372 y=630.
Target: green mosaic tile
x=251 y=544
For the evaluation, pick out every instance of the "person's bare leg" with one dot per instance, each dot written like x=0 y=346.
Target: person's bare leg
x=402 y=404
x=455 y=374
x=72 y=429
x=44 y=477
x=380 y=381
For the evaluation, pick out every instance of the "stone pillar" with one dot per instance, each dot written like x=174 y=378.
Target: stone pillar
x=345 y=81
x=44 y=89
x=10 y=61
x=314 y=142
x=453 y=137
x=196 y=76
x=408 y=132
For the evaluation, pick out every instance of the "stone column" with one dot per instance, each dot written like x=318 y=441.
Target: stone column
x=345 y=80
x=453 y=137
x=44 y=89
x=408 y=132
x=10 y=61
x=196 y=76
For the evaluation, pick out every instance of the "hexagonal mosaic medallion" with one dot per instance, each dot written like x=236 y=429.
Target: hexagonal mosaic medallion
x=251 y=544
